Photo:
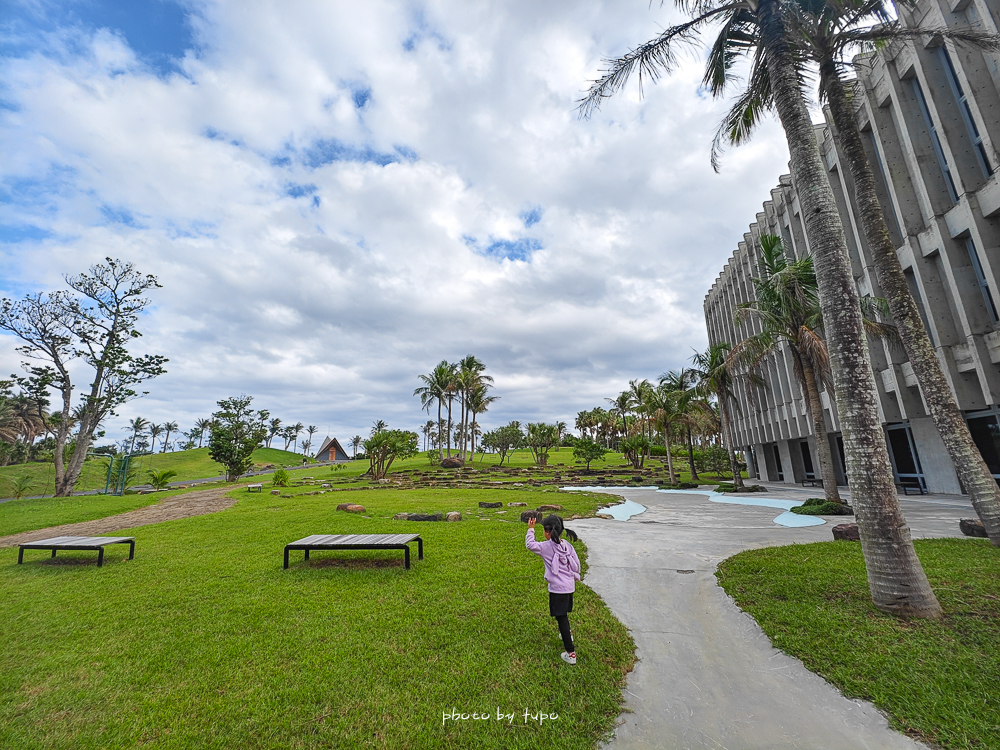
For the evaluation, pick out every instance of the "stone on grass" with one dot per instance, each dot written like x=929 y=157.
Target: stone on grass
x=490 y=505
x=351 y=507
x=275 y=492
x=529 y=514
x=401 y=517
x=549 y=507
x=326 y=485
x=452 y=463
x=453 y=516
x=847 y=532
x=517 y=505
x=973 y=527
x=424 y=517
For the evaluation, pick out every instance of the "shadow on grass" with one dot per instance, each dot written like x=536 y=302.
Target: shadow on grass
x=352 y=563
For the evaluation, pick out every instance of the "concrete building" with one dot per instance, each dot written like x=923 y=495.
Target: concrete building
x=930 y=117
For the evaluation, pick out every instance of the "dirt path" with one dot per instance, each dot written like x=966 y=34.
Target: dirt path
x=186 y=505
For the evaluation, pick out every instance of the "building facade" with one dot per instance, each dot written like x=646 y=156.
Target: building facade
x=929 y=115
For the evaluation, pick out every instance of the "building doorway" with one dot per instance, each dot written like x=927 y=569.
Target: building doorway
x=807 y=461
x=777 y=463
x=903 y=452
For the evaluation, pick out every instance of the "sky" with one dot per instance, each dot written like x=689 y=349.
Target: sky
x=336 y=196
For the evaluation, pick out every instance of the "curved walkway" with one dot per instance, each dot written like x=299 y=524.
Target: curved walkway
x=169 y=509
x=707 y=675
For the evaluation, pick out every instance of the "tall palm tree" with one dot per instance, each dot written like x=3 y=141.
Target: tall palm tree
x=667 y=408
x=438 y=386
x=787 y=308
x=427 y=430
x=716 y=378
x=138 y=427
x=828 y=32
x=155 y=431
x=622 y=407
x=379 y=426
x=685 y=381
x=310 y=430
x=355 y=442
x=469 y=377
x=204 y=425
x=168 y=427
x=756 y=29
x=478 y=402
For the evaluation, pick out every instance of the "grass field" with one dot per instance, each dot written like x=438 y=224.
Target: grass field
x=39 y=513
x=204 y=641
x=937 y=680
x=193 y=464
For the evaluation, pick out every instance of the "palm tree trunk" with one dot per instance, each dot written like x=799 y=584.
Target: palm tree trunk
x=449 y=426
x=965 y=456
x=896 y=579
x=694 y=471
x=670 y=459
x=440 y=436
x=817 y=416
x=727 y=438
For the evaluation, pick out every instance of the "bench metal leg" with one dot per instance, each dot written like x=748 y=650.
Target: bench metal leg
x=286 y=558
x=53 y=553
x=420 y=548
x=131 y=550
x=406 y=551
x=100 y=556
x=306 y=558
x=20 y=555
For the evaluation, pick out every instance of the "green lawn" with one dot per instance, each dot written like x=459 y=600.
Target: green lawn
x=203 y=641
x=937 y=680
x=39 y=513
x=193 y=464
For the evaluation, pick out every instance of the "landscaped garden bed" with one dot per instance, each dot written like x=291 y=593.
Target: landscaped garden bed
x=936 y=679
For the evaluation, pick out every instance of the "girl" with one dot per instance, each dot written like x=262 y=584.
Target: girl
x=562 y=571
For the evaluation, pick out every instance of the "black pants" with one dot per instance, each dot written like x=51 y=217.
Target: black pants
x=564 y=631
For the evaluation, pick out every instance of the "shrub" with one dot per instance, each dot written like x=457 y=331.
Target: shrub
x=280 y=478
x=726 y=488
x=818 y=506
x=159 y=480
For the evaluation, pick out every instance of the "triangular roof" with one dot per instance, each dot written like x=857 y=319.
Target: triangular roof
x=328 y=443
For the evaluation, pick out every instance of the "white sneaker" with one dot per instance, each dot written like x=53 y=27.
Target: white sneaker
x=569 y=658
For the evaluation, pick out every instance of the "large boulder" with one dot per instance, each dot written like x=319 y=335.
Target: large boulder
x=529 y=514
x=847 y=532
x=973 y=527
x=490 y=505
x=452 y=463
x=424 y=517
x=549 y=507
x=453 y=516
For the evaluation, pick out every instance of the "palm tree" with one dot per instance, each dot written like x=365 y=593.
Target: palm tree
x=379 y=426
x=138 y=427
x=757 y=30
x=356 y=441
x=827 y=32
x=427 y=430
x=155 y=431
x=622 y=406
x=478 y=402
x=311 y=430
x=438 y=386
x=294 y=431
x=667 y=408
x=204 y=425
x=168 y=427
x=684 y=381
x=787 y=308
x=716 y=378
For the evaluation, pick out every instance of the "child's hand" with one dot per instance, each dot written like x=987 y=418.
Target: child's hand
x=531 y=522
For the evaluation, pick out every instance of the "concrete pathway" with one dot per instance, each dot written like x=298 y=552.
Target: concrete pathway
x=707 y=676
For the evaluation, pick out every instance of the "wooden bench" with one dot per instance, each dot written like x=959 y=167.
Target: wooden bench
x=255 y=488
x=78 y=542
x=812 y=482
x=358 y=541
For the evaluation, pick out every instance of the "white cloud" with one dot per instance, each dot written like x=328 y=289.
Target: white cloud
x=319 y=256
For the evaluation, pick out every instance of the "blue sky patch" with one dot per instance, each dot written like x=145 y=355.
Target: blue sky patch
x=156 y=30
x=531 y=217
x=299 y=191
x=327 y=151
x=512 y=249
x=119 y=216
x=361 y=97
x=12 y=234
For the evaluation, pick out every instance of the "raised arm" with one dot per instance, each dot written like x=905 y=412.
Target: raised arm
x=529 y=538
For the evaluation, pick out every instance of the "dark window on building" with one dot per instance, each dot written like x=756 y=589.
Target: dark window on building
x=904 y=456
x=777 y=464
x=984 y=285
x=963 y=105
x=925 y=112
x=986 y=435
x=807 y=461
x=890 y=216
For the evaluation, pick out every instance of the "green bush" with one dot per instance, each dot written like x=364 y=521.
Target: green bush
x=681 y=486
x=818 y=506
x=280 y=478
x=726 y=488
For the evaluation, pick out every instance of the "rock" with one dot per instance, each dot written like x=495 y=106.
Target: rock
x=424 y=517
x=351 y=507
x=401 y=517
x=847 y=532
x=518 y=484
x=490 y=505
x=529 y=514
x=606 y=516
x=326 y=485
x=517 y=505
x=453 y=516
x=549 y=507
x=973 y=527
x=275 y=492
x=452 y=463
x=574 y=517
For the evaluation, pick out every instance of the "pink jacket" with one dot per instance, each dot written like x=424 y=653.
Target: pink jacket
x=562 y=566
